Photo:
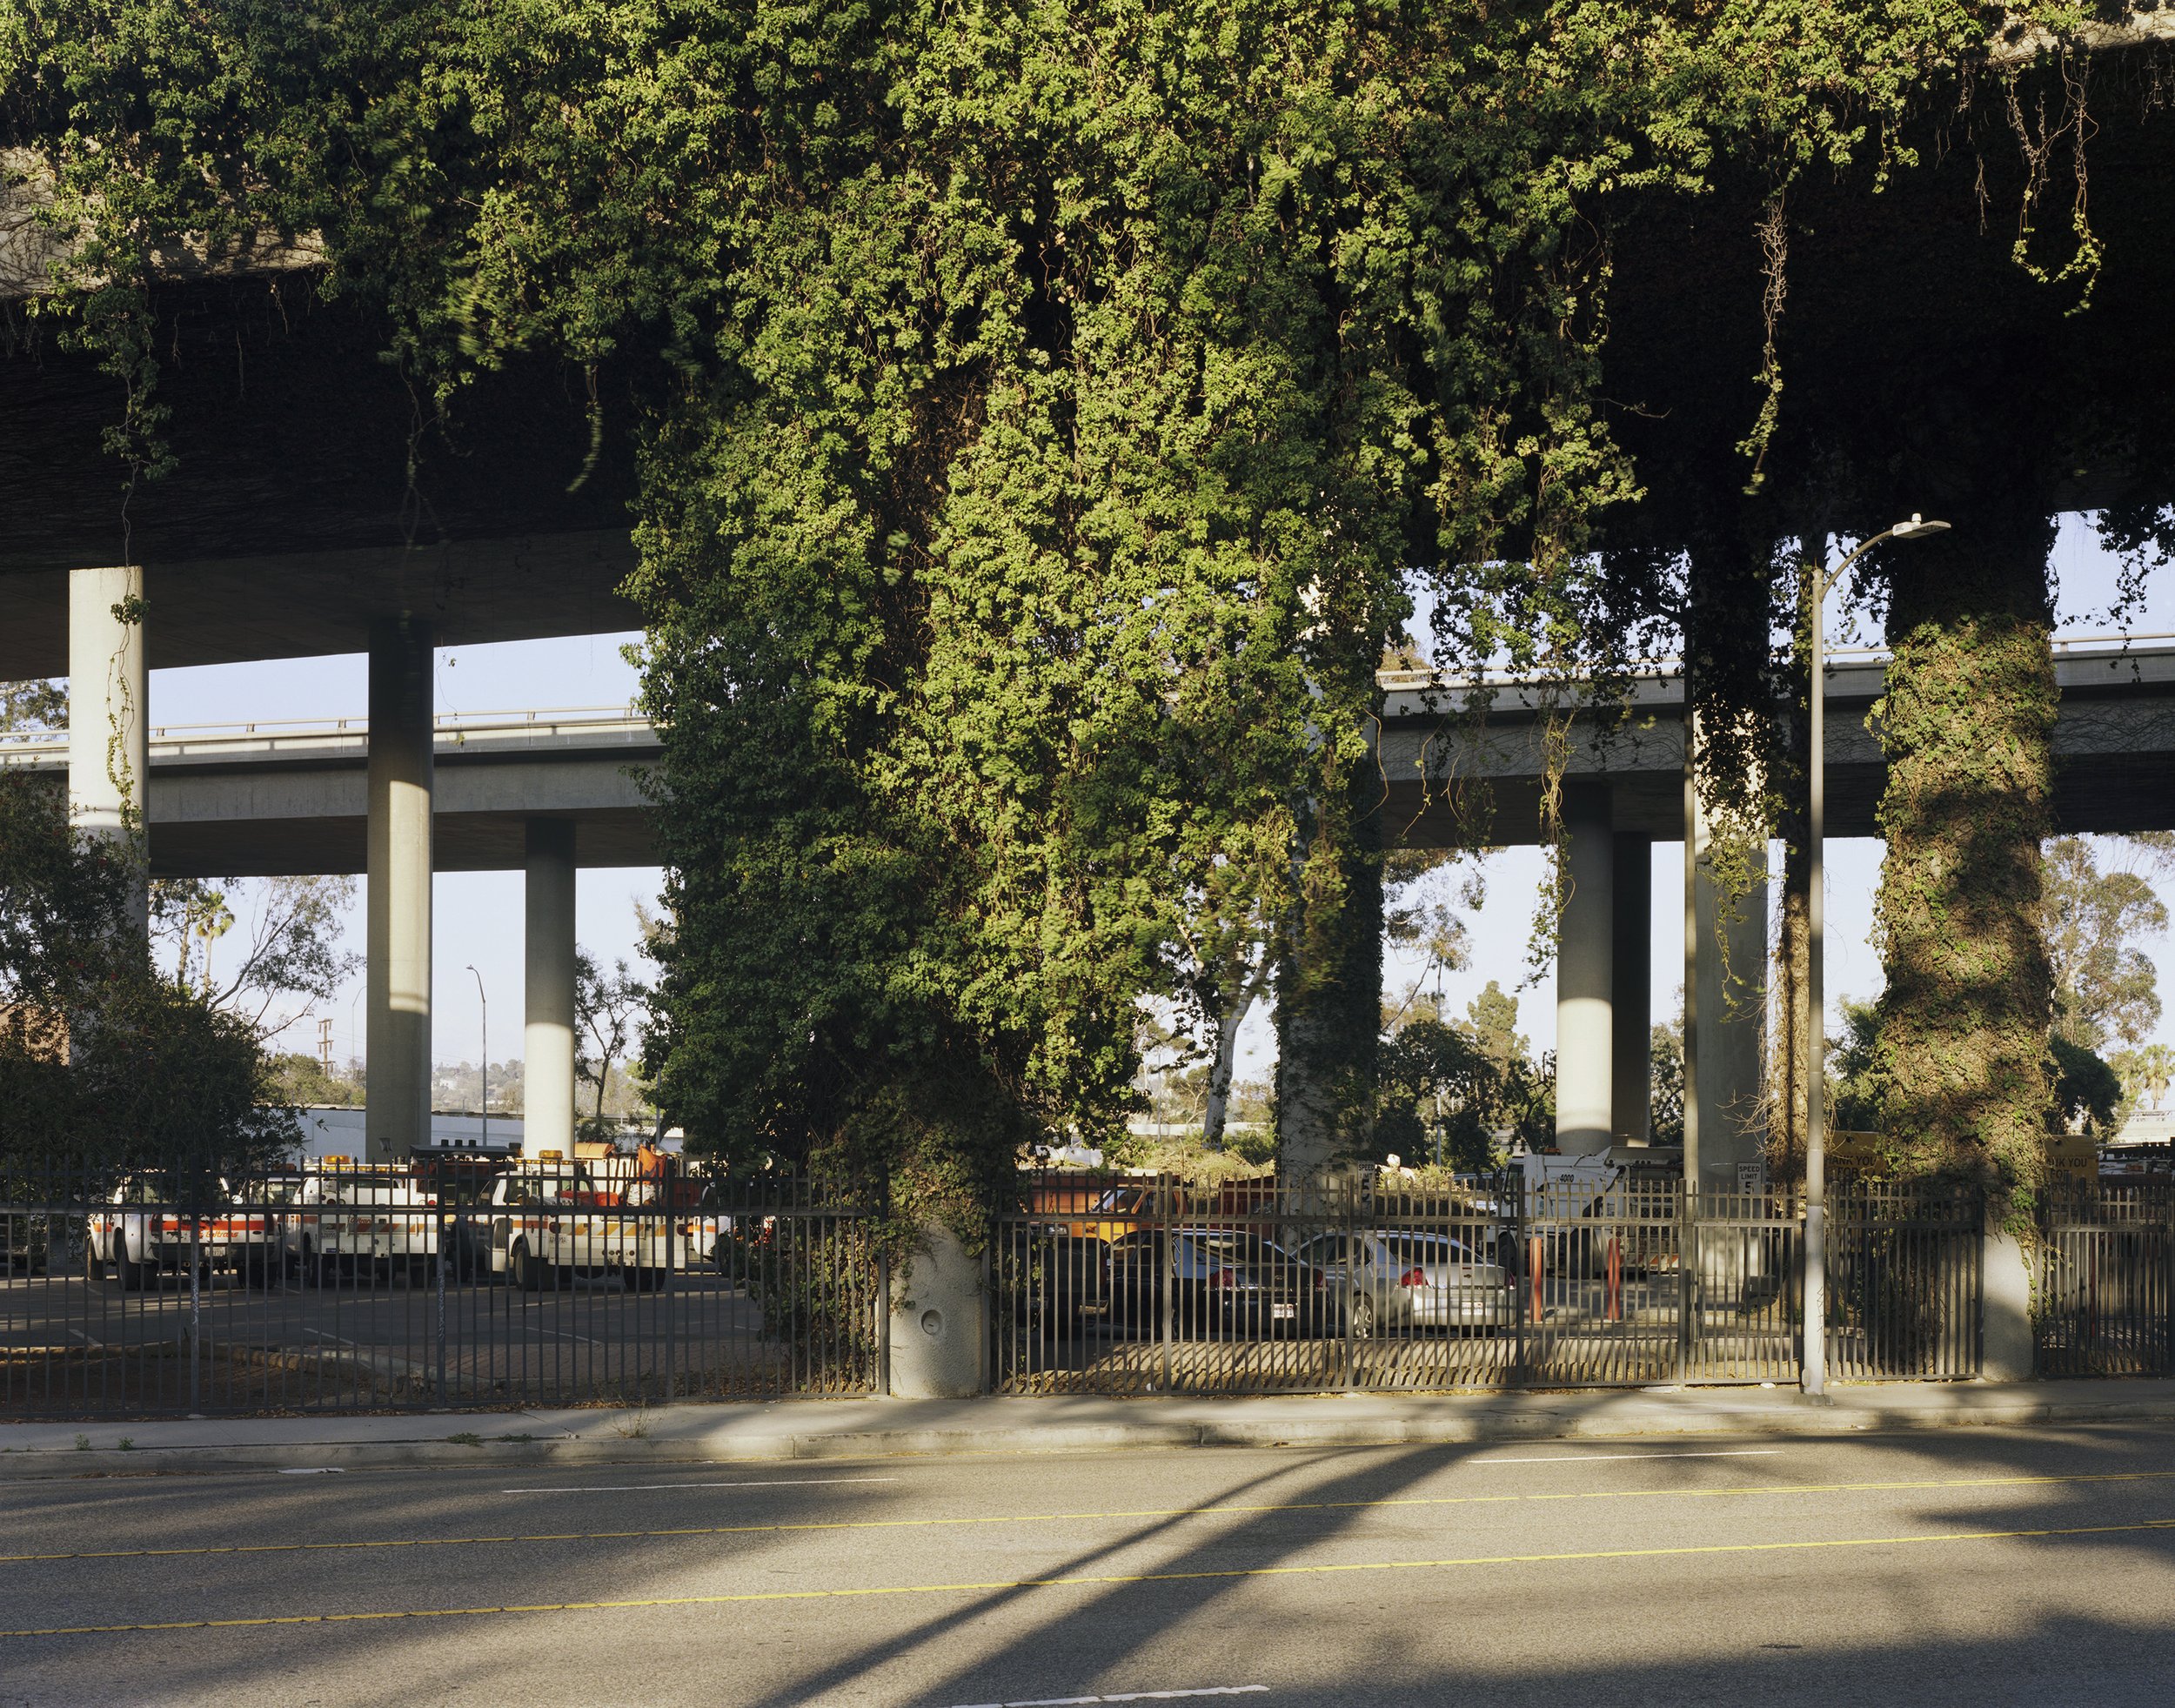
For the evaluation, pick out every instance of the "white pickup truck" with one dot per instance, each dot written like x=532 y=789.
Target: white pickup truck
x=552 y=1219
x=347 y=1220
x=143 y=1230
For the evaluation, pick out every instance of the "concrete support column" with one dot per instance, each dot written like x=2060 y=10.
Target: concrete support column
x=109 y=737
x=1585 y=1029
x=548 y=977
x=398 y=980
x=2005 y=1341
x=1631 y=984
x=1731 y=1014
x=939 y=1320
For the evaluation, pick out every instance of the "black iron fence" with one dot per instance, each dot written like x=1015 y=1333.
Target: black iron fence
x=1905 y=1280
x=2106 y=1275
x=1126 y=1284
x=346 y=1287
x=352 y=1288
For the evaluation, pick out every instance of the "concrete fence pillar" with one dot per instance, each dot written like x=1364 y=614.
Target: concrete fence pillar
x=548 y=980
x=1584 y=982
x=939 y=1320
x=109 y=735
x=1631 y=991
x=397 y=978
x=2004 y=1320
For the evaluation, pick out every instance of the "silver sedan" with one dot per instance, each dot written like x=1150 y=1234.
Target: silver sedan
x=1391 y=1279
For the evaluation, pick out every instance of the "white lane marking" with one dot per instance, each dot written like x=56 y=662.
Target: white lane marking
x=314 y=1470
x=335 y=1339
x=1119 y=1696
x=1587 y=1458
x=637 y=1488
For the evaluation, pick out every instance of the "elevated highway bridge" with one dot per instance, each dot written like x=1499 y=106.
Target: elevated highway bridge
x=271 y=799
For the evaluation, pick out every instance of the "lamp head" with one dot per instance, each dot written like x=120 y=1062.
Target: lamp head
x=1916 y=528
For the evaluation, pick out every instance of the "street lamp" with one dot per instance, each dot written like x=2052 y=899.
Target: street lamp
x=486 y=1002
x=1814 y=1378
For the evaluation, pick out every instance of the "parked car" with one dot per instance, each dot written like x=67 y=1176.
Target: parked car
x=1387 y=1280
x=24 y=1242
x=550 y=1219
x=1221 y=1283
x=143 y=1231
x=1055 y=1279
x=348 y=1222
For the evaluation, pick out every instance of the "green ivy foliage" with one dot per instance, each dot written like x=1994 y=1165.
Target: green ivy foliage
x=1967 y=719
x=1042 y=411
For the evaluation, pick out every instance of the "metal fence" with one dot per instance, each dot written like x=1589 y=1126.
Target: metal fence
x=1904 y=1262
x=1130 y=1285
x=350 y=1288
x=2105 y=1273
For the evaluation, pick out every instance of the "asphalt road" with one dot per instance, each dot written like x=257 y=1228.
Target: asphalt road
x=1992 y=1568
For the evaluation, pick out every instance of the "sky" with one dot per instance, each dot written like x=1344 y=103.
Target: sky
x=477 y=916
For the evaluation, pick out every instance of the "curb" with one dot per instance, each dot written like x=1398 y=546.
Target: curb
x=727 y=1446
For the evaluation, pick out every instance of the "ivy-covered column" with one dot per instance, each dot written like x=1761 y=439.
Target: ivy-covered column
x=1328 y=997
x=1967 y=721
x=109 y=737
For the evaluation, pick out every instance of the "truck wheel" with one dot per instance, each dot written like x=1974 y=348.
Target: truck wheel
x=94 y=1269
x=1364 y=1317
x=645 y=1279
x=130 y=1277
x=526 y=1272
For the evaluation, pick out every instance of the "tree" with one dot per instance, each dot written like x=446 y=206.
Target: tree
x=104 y=1059
x=33 y=705
x=1666 y=1082
x=289 y=959
x=1038 y=413
x=301 y=1080
x=609 y=1010
x=1451 y=1091
x=2105 y=988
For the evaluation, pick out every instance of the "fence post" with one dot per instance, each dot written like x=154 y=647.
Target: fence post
x=1351 y=1240
x=195 y=1313
x=1688 y=1262
x=2167 y=1280
x=1170 y=1274
x=2005 y=1346
x=443 y=1186
x=1522 y=1247
x=883 y=1316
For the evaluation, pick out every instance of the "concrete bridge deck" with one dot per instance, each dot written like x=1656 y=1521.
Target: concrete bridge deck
x=267 y=798
x=278 y=799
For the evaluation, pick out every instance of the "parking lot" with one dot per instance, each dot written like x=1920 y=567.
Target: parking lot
x=384 y=1337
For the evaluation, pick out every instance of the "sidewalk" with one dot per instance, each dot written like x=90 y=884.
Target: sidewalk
x=857 y=1429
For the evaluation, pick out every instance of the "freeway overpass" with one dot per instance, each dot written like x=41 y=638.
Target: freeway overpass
x=546 y=792
x=268 y=799
x=284 y=799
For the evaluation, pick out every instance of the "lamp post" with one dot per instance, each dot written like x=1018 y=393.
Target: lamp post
x=1814 y=1377
x=485 y=1002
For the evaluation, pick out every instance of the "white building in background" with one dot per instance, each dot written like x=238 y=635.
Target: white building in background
x=2147 y=1127
x=329 y=1130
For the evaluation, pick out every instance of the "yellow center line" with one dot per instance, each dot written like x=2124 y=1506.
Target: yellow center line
x=1089 y=1580
x=1230 y=1508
